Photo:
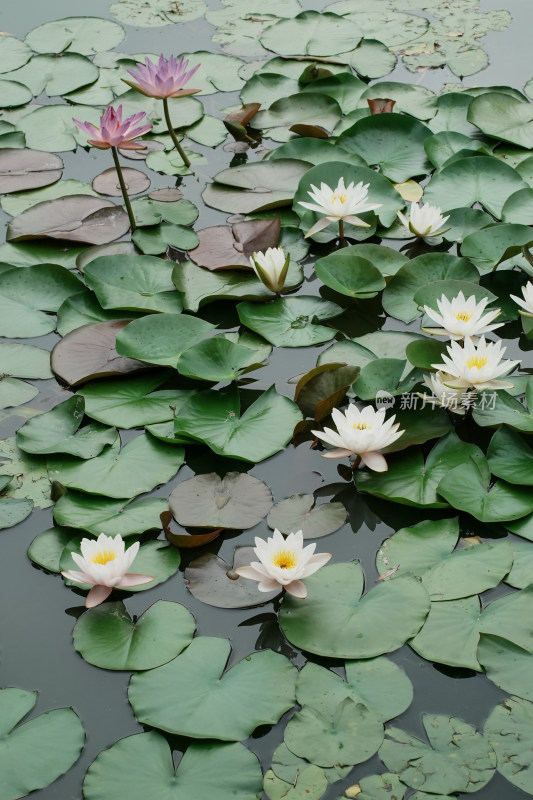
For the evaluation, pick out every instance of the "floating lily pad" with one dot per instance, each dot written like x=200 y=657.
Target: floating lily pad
x=457 y=758
x=101 y=515
x=157 y=239
x=503 y=117
x=450 y=634
x=323 y=388
x=387 y=786
x=297 y=513
x=309 y=783
x=154 y=13
x=13 y=53
x=14 y=93
x=192 y=697
x=213 y=581
x=24 y=361
x=489 y=247
x=143 y=763
x=304 y=108
x=51 y=128
x=377 y=623
x=347 y=272
x=255 y=187
x=138 y=467
x=504 y=409
x=132 y=402
x=133 y=282
x=107 y=182
x=107 y=637
x=507 y=665
x=77 y=218
x=86 y=35
x=221 y=247
x=510 y=457
x=289 y=321
x=161 y=338
x=56 y=74
x=46 y=549
x=236 y=501
x=287 y=767
x=312 y=34
x=214 y=418
x=15 y=204
x=89 y=352
x=58 y=431
x=55 y=738
x=15 y=393
x=28 y=169
x=219 y=360
x=13 y=511
x=508 y=729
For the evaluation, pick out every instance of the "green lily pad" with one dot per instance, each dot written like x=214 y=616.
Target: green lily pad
x=450 y=634
x=287 y=767
x=101 y=515
x=507 y=665
x=56 y=739
x=31 y=480
x=162 y=338
x=214 y=418
x=55 y=74
x=385 y=787
x=520 y=574
x=13 y=53
x=132 y=402
x=84 y=309
x=46 y=549
x=297 y=513
x=312 y=34
x=44 y=287
x=51 y=128
x=443 y=145
x=143 y=763
x=192 y=697
x=58 y=431
x=347 y=272
x=14 y=93
x=345 y=735
x=13 y=511
x=314 y=151
x=412 y=482
x=15 y=393
x=503 y=117
x=18 y=202
x=154 y=13
x=289 y=321
x=518 y=208
x=309 y=783
x=218 y=360
x=508 y=729
x=107 y=637
x=414 y=100
x=378 y=623
x=457 y=758
x=86 y=35
x=489 y=247
x=156 y=239
x=133 y=282
x=304 y=108
x=393 y=142
x=24 y=361
x=255 y=187
x=237 y=501
x=385 y=375
x=510 y=457
x=484 y=180
x=138 y=467
x=503 y=409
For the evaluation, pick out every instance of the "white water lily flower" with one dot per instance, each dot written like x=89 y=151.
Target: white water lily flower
x=103 y=564
x=460 y=317
x=425 y=221
x=443 y=394
x=527 y=302
x=283 y=562
x=340 y=204
x=477 y=366
x=271 y=267
x=362 y=433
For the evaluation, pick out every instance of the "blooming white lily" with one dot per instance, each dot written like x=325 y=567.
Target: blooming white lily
x=103 y=564
x=527 y=302
x=443 y=394
x=282 y=562
x=362 y=433
x=340 y=204
x=476 y=365
x=425 y=221
x=462 y=317
x=271 y=267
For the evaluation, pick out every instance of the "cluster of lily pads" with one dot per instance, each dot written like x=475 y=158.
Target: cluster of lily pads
x=394 y=163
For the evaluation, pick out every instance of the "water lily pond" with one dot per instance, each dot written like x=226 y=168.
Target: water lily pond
x=266 y=404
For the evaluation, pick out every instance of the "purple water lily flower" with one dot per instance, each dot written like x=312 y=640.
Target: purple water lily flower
x=114 y=132
x=164 y=79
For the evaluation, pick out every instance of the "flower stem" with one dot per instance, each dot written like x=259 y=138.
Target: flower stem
x=342 y=240
x=173 y=136
x=123 y=189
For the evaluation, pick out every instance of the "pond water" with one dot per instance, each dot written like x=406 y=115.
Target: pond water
x=39 y=612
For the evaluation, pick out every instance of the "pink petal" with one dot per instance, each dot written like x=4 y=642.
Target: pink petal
x=340 y=453
x=297 y=589
x=271 y=585
x=133 y=579
x=97 y=595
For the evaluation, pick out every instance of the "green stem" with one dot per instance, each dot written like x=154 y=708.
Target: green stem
x=123 y=189
x=173 y=136
x=342 y=240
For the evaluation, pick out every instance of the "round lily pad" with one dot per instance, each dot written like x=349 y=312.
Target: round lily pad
x=289 y=321
x=193 y=696
x=138 y=283
x=347 y=272
x=28 y=169
x=86 y=35
x=161 y=338
x=237 y=501
x=107 y=637
x=509 y=730
x=107 y=182
x=298 y=513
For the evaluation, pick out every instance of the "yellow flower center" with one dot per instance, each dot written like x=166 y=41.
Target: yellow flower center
x=342 y=198
x=476 y=361
x=361 y=426
x=103 y=557
x=284 y=559
x=464 y=316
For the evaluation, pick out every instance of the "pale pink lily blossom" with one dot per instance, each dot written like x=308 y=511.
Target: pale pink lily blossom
x=361 y=432
x=104 y=565
x=164 y=79
x=113 y=131
x=283 y=562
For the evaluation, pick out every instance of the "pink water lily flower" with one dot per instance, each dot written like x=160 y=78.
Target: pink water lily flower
x=164 y=79
x=114 y=132
x=283 y=562
x=104 y=564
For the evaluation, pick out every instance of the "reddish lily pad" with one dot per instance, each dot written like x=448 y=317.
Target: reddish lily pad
x=236 y=501
x=28 y=169
x=78 y=218
x=223 y=247
x=107 y=182
x=186 y=539
x=213 y=581
x=89 y=352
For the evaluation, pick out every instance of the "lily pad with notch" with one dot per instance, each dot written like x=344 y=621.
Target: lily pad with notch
x=236 y=501
x=86 y=35
x=298 y=513
x=312 y=34
x=290 y=321
x=324 y=388
x=509 y=730
x=136 y=283
x=107 y=637
x=24 y=361
x=218 y=360
x=223 y=246
x=213 y=581
x=161 y=339
x=350 y=274
x=97 y=514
